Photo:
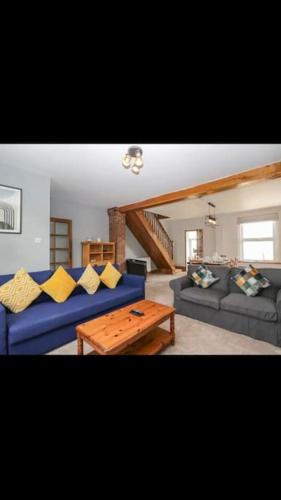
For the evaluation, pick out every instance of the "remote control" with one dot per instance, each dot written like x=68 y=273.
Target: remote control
x=137 y=312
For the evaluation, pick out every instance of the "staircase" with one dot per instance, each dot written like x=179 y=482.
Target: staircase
x=148 y=230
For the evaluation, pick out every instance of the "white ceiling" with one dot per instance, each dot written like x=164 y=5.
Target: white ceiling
x=252 y=197
x=92 y=174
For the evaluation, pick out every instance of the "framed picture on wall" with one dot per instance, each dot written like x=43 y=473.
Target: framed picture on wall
x=10 y=209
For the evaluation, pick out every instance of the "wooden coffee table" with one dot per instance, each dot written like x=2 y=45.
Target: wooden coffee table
x=120 y=332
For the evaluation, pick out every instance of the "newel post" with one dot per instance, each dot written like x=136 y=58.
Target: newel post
x=117 y=234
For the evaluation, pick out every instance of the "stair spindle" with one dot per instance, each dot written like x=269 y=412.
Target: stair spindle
x=160 y=232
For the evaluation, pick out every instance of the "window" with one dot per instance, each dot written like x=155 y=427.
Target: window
x=258 y=240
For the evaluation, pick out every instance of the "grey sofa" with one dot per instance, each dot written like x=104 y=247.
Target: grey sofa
x=225 y=305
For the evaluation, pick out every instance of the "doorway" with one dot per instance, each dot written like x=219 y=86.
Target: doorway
x=193 y=245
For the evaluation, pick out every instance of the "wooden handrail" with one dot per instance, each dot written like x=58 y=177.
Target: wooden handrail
x=159 y=231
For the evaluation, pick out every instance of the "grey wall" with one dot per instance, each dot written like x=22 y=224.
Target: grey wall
x=87 y=222
x=20 y=250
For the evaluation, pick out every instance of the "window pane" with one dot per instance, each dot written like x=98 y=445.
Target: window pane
x=258 y=229
x=61 y=228
x=61 y=242
x=258 y=250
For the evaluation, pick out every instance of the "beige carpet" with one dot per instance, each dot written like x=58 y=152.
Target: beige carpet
x=192 y=336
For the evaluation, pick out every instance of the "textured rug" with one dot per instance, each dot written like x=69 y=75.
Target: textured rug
x=192 y=336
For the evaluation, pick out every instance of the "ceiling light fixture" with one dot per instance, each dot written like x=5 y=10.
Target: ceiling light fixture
x=133 y=159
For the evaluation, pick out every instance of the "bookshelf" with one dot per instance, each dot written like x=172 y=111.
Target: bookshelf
x=97 y=253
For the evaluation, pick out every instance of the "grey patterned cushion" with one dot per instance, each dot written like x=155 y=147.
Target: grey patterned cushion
x=203 y=277
x=251 y=281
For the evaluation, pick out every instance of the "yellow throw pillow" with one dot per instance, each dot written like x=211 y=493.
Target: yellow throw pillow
x=59 y=286
x=89 y=280
x=110 y=276
x=18 y=293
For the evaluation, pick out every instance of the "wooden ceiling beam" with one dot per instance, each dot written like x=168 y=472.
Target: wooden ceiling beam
x=266 y=172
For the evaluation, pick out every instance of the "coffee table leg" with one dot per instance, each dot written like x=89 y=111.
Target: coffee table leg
x=172 y=328
x=80 y=350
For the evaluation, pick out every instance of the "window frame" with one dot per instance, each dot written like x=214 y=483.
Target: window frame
x=274 y=239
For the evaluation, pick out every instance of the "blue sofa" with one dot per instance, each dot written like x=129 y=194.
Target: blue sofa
x=46 y=325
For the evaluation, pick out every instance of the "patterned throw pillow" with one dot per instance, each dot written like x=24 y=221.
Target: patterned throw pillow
x=89 y=280
x=18 y=293
x=203 y=277
x=251 y=281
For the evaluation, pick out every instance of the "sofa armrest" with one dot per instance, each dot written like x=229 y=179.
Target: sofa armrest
x=180 y=283
x=134 y=280
x=3 y=330
x=278 y=305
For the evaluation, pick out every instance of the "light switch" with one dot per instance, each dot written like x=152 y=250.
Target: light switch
x=37 y=239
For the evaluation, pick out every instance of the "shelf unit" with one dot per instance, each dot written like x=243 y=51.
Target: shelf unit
x=60 y=243
x=97 y=253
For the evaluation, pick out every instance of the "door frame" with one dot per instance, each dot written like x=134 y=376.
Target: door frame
x=69 y=223
x=186 y=231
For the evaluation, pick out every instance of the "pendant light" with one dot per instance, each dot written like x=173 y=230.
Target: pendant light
x=212 y=218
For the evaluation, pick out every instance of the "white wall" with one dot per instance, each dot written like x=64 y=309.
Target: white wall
x=222 y=238
x=227 y=230
x=87 y=222
x=134 y=249
x=20 y=250
x=176 y=230
x=250 y=197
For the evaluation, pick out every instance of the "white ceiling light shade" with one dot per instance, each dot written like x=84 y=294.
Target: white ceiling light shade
x=139 y=162
x=126 y=161
x=135 y=170
x=133 y=159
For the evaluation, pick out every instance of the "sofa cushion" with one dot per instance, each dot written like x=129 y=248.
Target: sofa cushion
x=38 y=276
x=47 y=316
x=273 y=275
x=19 y=292
x=110 y=276
x=250 y=281
x=100 y=269
x=89 y=280
x=59 y=286
x=205 y=297
x=221 y=272
x=203 y=277
x=256 y=307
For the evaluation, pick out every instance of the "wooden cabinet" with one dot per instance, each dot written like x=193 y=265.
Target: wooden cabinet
x=97 y=253
x=60 y=243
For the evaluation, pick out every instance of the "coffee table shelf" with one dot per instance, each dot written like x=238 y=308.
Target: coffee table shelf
x=152 y=343
x=120 y=332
